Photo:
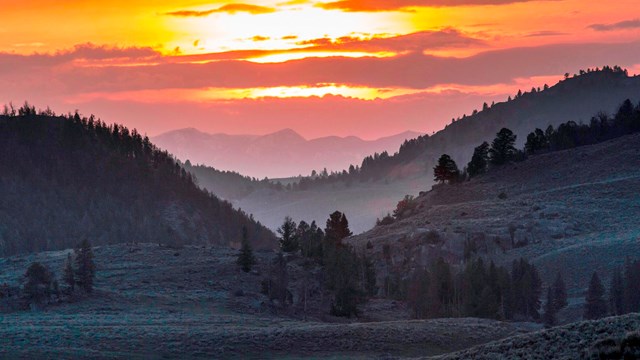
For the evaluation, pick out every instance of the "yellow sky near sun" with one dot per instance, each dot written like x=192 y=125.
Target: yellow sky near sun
x=48 y=25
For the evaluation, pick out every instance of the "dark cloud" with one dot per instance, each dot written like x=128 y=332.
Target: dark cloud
x=545 y=33
x=622 y=25
x=229 y=8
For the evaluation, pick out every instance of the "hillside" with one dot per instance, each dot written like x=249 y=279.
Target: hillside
x=380 y=182
x=281 y=154
x=598 y=339
x=195 y=303
x=63 y=179
x=574 y=211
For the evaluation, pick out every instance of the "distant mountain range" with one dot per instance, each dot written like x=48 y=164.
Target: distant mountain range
x=281 y=154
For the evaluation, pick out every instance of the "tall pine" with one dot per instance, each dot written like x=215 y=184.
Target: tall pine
x=595 y=306
x=68 y=274
x=85 y=267
x=245 y=259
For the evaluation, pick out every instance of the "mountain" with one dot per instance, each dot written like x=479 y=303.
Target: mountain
x=281 y=154
x=63 y=179
x=381 y=181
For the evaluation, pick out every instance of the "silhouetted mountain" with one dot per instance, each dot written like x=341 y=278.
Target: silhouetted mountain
x=63 y=179
x=280 y=154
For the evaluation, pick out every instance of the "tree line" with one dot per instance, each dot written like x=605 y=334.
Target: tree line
x=40 y=285
x=502 y=150
x=348 y=275
x=621 y=297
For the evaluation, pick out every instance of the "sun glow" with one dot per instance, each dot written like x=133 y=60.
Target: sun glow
x=282 y=29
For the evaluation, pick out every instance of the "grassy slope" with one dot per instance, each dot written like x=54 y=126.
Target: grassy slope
x=157 y=302
x=573 y=341
x=579 y=210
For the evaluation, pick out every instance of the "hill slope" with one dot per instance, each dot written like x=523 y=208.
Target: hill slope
x=573 y=211
x=281 y=154
x=65 y=179
x=582 y=340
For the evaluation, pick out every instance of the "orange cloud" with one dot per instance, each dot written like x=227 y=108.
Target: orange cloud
x=405 y=5
x=415 y=42
x=229 y=8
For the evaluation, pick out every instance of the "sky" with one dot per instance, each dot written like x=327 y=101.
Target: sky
x=319 y=67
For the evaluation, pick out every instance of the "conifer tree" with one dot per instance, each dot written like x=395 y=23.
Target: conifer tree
x=288 y=236
x=68 y=274
x=595 y=306
x=245 y=259
x=616 y=293
x=479 y=160
x=446 y=170
x=38 y=283
x=559 y=293
x=550 y=308
x=85 y=267
x=503 y=147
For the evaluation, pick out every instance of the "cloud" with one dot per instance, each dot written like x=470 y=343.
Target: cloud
x=545 y=33
x=25 y=74
x=229 y=8
x=622 y=25
x=260 y=38
x=415 y=42
x=404 y=5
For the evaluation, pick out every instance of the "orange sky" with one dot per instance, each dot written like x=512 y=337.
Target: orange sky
x=343 y=67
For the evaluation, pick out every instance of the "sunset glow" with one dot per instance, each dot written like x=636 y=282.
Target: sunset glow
x=197 y=54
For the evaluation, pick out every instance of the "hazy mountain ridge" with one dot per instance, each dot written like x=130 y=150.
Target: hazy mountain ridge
x=281 y=154
x=410 y=171
x=64 y=179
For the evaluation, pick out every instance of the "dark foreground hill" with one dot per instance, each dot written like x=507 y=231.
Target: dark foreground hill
x=63 y=179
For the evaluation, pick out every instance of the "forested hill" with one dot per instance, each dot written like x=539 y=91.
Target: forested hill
x=66 y=178
x=576 y=98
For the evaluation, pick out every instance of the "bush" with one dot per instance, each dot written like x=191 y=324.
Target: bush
x=387 y=220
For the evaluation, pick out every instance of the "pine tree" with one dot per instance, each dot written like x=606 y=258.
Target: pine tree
x=68 y=274
x=632 y=286
x=337 y=228
x=245 y=259
x=550 y=308
x=38 y=283
x=595 y=306
x=288 y=236
x=446 y=170
x=503 y=147
x=559 y=293
x=85 y=267
x=616 y=293
x=479 y=160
